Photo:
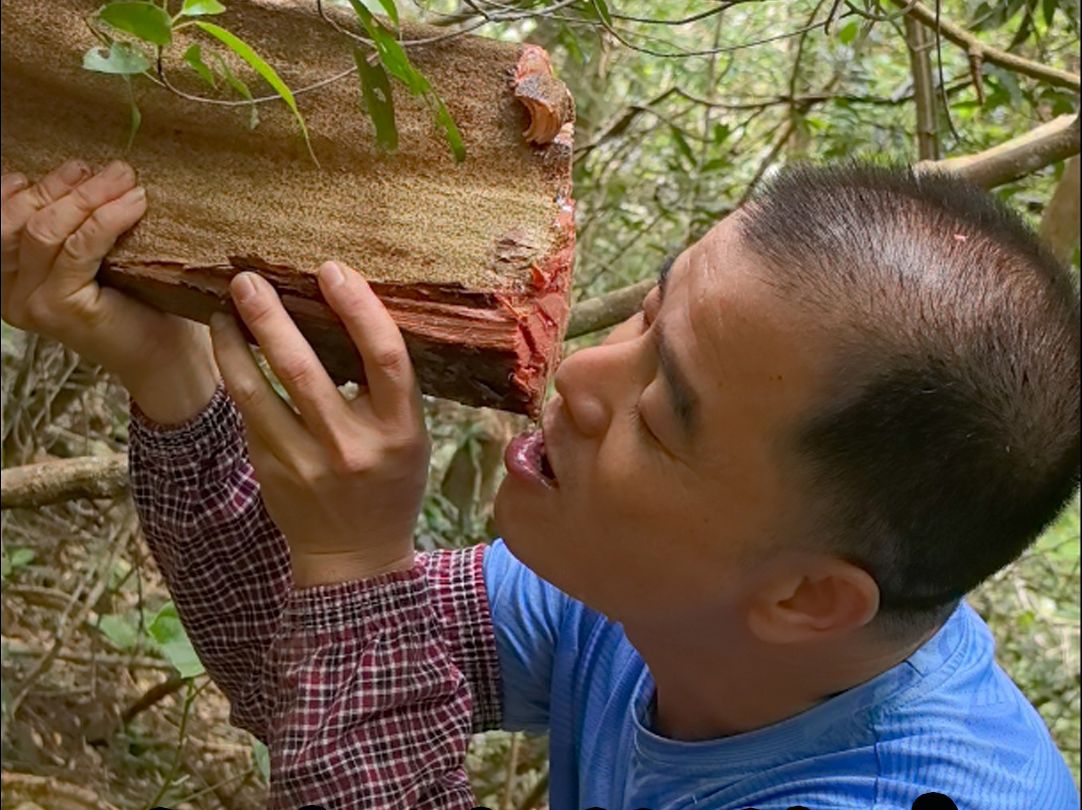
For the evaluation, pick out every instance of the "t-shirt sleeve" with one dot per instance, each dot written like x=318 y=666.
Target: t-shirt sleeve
x=527 y=615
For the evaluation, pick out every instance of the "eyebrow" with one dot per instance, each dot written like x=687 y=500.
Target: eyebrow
x=684 y=400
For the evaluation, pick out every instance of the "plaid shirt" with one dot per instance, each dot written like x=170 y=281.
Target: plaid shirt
x=365 y=692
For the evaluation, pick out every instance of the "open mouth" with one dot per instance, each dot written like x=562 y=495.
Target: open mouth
x=526 y=459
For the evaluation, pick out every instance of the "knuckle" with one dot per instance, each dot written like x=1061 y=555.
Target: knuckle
x=38 y=310
x=247 y=394
x=86 y=241
x=77 y=246
x=390 y=359
x=307 y=473
x=81 y=197
x=42 y=228
x=348 y=458
x=294 y=371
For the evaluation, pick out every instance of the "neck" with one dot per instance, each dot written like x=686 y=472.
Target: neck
x=739 y=684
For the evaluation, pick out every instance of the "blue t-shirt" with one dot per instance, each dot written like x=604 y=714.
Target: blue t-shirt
x=947 y=720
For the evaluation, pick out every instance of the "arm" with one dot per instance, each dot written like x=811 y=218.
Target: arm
x=223 y=559
x=209 y=524
x=397 y=662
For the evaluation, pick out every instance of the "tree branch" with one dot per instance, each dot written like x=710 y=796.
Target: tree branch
x=1059 y=224
x=1047 y=144
x=35 y=485
x=608 y=309
x=920 y=63
x=977 y=50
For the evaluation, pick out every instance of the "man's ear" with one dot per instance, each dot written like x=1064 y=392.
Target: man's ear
x=813 y=601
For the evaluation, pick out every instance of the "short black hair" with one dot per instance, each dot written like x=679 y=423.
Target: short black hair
x=950 y=436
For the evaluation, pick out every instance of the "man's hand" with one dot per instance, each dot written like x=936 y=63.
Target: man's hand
x=54 y=235
x=342 y=479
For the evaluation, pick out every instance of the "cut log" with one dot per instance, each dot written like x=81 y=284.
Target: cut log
x=473 y=260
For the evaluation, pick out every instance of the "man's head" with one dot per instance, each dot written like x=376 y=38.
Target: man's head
x=846 y=405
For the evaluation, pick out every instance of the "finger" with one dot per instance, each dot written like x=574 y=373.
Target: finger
x=392 y=384
x=22 y=203
x=81 y=253
x=45 y=231
x=290 y=356
x=263 y=410
x=11 y=183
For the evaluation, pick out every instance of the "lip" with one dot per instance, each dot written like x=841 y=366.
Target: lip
x=523 y=453
x=522 y=458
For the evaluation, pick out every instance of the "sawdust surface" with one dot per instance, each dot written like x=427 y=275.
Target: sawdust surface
x=219 y=189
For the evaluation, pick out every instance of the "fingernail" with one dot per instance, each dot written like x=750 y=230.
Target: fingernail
x=74 y=171
x=245 y=287
x=115 y=170
x=135 y=196
x=18 y=181
x=332 y=273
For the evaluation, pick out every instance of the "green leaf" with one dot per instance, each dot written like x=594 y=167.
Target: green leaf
x=378 y=100
x=260 y=66
x=120 y=630
x=447 y=123
x=194 y=57
x=169 y=634
x=241 y=89
x=682 y=145
x=395 y=62
x=391 y=9
x=148 y=21
x=201 y=8
x=1048 y=11
x=261 y=757
x=848 y=32
x=121 y=58
x=22 y=557
x=603 y=12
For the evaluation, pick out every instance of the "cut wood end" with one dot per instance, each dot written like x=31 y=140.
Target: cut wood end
x=546 y=98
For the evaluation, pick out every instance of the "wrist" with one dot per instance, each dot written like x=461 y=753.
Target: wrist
x=175 y=389
x=311 y=569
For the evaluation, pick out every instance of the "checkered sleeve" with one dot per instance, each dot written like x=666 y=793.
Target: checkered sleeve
x=223 y=558
x=366 y=691
x=370 y=708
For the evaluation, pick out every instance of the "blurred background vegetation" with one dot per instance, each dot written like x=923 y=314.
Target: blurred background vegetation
x=103 y=702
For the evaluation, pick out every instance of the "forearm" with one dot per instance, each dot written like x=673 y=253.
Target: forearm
x=370 y=709
x=223 y=559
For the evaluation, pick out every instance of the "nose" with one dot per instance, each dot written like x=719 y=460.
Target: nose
x=590 y=381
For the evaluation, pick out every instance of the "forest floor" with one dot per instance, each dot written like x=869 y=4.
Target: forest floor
x=96 y=715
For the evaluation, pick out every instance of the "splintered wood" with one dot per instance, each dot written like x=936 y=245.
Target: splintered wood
x=473 y=260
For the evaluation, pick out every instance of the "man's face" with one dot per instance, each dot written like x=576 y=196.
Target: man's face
x=668 y=445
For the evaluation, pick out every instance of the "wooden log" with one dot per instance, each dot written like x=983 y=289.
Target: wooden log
x=472 y=259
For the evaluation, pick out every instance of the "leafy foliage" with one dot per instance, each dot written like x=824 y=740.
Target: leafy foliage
x=151 y=29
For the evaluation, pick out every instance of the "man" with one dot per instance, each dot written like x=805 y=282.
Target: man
x=734 y=555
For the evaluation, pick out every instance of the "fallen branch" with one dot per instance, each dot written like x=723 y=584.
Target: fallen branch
x=92 y=658
x=1047 y=144
x=979 y=52
x=49 y=791
x=36 y=485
